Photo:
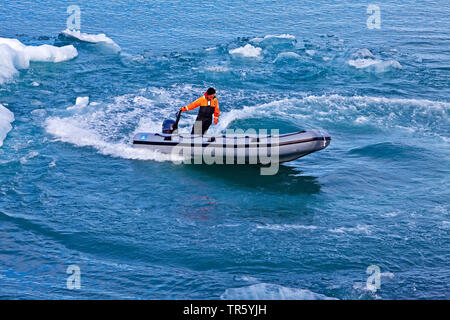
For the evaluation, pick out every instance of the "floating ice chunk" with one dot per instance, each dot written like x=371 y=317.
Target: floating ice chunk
x=388 y=64
x=247 y=51
x=91 y=38
x=363 y=53
x=286 y=56
x=275 y=41
x=6 y=117
x=80 y=103
x=310 y=52
x=362 y=63
x=13 y=44
x=11 y=60
x=375 y=64
x=15 y=56
x=48 y=53
x=44 y=53
x=364 y=59
x=274 y=36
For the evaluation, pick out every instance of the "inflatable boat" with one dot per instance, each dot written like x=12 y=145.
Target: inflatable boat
x=257 y=148
x=252 y=149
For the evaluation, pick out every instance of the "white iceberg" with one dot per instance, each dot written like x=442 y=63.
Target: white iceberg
x=364 y=59
x=247 y=51
x=274 y=36
x=15 y=56
x=363 y=54
x=6 y=117
x=80 y=103
x=375 y=65
x=90 y=38
x=286 y=56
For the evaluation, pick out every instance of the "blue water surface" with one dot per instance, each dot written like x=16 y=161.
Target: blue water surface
x=74 y=192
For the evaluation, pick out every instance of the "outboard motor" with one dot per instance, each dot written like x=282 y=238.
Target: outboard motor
x=169 y=126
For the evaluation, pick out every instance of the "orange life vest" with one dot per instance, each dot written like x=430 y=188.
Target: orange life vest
x=207 y=108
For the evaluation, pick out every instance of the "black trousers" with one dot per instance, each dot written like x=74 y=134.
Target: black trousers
x=202 y=124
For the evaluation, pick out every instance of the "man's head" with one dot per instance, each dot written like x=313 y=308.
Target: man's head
x=210 y=93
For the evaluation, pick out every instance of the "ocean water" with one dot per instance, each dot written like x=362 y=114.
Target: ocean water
x=74 y=192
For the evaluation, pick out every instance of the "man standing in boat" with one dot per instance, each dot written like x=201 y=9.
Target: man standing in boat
x=209 y=107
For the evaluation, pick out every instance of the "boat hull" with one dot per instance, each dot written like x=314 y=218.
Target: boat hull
x=236 y=148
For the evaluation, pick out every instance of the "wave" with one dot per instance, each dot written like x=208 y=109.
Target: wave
x=70 y=131
x=270 y=109
x=108 y=128
x=6 y=118
x=218 y=69
x=390 y=151
x=358 y=229
x=267 y=291
x=247 y=51
x=15 y=56
x=422 y=116
x=90 y=38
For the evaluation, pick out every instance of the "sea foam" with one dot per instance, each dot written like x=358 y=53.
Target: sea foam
x=101 y=125
x=419 y=115
x=71 y=131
